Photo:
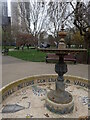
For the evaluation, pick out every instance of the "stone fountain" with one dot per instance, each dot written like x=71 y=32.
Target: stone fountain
x=59 y=100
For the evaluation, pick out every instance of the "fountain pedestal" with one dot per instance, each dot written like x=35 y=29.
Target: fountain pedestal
x=59 y=100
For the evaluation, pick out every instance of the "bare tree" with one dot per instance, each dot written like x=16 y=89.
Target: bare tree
x=82 y=20
x=57 y=12
x=33 y=15
x=36 y=17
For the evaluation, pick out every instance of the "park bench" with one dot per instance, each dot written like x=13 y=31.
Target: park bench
x=53 y=57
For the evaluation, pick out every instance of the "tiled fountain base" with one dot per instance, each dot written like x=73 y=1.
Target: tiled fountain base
x=59 y=108
x=30 y=102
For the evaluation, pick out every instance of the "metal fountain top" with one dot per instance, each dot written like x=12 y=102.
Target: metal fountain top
x=62 y=50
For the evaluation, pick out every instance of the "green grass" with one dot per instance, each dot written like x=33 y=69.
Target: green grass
x=9 y=47
x=29 y=55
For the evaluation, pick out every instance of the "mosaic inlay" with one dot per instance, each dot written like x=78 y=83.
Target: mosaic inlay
x=39 y=91
x=11 y=108
x=29 y=102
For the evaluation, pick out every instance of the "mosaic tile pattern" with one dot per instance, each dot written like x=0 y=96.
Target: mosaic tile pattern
x=39 y=91
x=34 y=103
x=11 y=108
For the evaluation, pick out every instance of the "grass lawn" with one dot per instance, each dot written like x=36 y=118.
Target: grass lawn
x=29 y=55
x=9 y=47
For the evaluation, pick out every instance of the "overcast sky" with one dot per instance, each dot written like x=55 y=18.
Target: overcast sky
x=9 y=8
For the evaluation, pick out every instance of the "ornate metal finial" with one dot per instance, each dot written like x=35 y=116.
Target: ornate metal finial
x=62 y=27
x=62 y=35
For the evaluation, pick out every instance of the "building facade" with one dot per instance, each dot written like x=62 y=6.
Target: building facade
x=18 y=21
x=5 y=24
x=4 y=14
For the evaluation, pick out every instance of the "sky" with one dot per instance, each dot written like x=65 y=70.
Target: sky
x=9 y=8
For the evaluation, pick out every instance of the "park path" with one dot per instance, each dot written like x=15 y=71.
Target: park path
x=13 y=69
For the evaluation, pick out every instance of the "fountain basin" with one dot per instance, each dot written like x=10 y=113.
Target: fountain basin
x=21 y=92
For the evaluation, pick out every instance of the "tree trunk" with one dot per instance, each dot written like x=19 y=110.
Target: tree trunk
x=87 y=44
x=87 y=40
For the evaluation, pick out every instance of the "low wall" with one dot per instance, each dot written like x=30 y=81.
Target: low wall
x=9 y=89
